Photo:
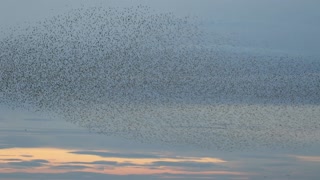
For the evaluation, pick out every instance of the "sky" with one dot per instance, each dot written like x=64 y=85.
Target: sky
x=34 y=145
x=37 y=145
x=291 y=26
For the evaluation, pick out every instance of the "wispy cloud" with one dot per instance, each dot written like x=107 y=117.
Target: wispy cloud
x=308 y=158
x=58 y=160
x=28 y=164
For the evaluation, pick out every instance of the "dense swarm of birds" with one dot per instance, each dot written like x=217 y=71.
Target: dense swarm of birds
x=153 y=77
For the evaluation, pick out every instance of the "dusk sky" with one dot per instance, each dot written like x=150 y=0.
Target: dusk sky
x=255 y=134
x=35 y=146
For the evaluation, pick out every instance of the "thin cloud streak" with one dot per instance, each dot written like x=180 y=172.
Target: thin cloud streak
x=308 y=158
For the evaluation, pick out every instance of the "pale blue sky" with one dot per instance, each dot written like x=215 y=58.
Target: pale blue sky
x=291 y=26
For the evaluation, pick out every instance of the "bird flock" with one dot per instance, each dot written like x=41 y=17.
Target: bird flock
x=153 y=77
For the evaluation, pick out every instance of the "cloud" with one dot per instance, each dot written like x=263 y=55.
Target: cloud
x=120 y=155
x=113 y=163
x=75 y=175
x=105 y=162
x=109 y=163
x=32 y=163
x=71 y=167
x=11 y=159
x=198 y=176
x=182 y=164
x=308 y=158
x=26 y=155
x=154 y=165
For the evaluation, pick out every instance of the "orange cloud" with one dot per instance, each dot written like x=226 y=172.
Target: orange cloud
x=57 y=160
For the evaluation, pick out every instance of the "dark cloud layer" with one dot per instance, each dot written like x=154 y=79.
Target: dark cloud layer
x=187 y=164
x=77 y=175
x=32 y=163
x=120 y=155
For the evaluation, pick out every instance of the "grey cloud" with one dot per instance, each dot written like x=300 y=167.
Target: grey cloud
x=168 y=176
x=26 y=155
x=32 y=163
x=188 y=164
x=155 y=165
x=110 y=163
x=71 y=167
x=121 y=155
x=199 y=176
x=11 y=159
x=95 y=162
x=113 y=163
x=76 y=175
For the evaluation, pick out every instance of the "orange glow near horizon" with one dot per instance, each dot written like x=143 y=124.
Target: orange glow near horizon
x=308 y=158
x=134 y=166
